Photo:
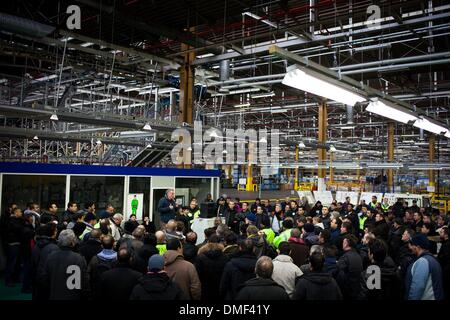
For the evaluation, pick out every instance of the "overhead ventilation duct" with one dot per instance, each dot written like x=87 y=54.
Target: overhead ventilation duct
x=224 y=70
x=24 y=27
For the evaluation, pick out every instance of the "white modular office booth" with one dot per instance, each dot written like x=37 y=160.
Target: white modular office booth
x=22 y=183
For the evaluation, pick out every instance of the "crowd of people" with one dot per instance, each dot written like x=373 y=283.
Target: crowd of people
x=279 y=250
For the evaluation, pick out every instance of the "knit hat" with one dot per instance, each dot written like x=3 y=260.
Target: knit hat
x=420 y=240
x=156 y=263
x=251 y=217
x=308 y=227
x=104 y=215
x=89 y=217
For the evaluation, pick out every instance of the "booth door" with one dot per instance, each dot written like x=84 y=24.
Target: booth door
x=157 y=194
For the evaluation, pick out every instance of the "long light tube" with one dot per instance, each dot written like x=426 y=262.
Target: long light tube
x=430 y=126
x=391 y=111
x=302 y=79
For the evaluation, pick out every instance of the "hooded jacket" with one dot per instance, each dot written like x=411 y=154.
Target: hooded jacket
x=210 y=265
x=236 y=272
x=262 y=289
x=183 y=273
x=157 y=286
x=285 y=272
x=317 y=286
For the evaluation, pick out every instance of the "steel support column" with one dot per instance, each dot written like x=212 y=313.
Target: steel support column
x=431 y=153
x=390 y=156
x=322 y=139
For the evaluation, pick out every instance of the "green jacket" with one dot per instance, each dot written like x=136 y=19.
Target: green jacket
x=270 y=235
x=362 y=219
x=161 y=248
x=193 y=216
x=284 y=236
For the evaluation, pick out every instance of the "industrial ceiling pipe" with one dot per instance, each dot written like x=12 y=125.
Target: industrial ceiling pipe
x=24 y=27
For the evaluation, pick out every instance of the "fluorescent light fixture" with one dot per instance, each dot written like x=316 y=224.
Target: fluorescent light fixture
x=332 y=148
x=263 y=95
x=384 y=165
x=149 y=146
x=35 y=138
x=278 y=110
x=235 y=92
x=147 y=127
x=301 y=144
x=430 y=126
x=242 y=105
x=54 y=117
x=347 y=127
x=256 y=17
x=428 y=167
x=86 y=44
x=391 y=111
x=313 y=82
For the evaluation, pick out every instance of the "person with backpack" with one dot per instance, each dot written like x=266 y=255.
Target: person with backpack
x=100 y=263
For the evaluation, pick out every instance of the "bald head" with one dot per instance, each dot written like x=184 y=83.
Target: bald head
x=171 y=225
x=264 y=267
x=160 y=236
x=96 y=233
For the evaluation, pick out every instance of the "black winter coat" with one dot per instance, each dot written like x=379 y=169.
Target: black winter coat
x=156 y=286
x=350 y=267
x=317 y=286
x=381 y=230
x=56 y=275
x=210 y=265
x=236 y=272
x=43 y=248
x=118 y=283
x=391 y=284
x=190 y=252
x=262 y=289
x=15 y=229
x=90 y=249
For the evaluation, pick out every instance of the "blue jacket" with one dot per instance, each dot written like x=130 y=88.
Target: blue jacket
x=424 y=279
x=165 y=212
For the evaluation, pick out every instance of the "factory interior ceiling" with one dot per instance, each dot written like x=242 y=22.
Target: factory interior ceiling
x=109 y=90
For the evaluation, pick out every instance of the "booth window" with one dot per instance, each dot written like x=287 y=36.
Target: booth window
x=141 y=185
x=41 y=189
x=187 y=188
x=102 y=190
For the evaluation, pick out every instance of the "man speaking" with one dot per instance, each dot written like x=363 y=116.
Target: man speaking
x=167 y=207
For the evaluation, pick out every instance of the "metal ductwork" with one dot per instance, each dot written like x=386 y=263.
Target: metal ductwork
x=24 y=27
x=224 y=70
